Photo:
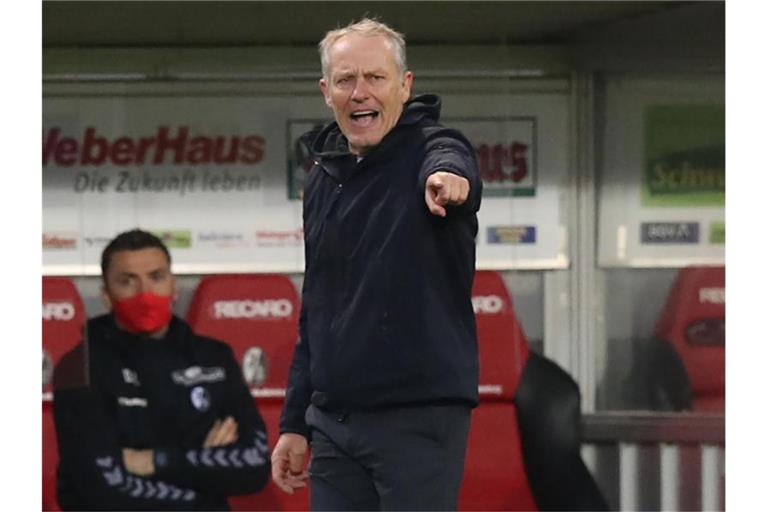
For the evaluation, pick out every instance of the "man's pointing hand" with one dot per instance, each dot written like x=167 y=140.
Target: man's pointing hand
x=445 y=188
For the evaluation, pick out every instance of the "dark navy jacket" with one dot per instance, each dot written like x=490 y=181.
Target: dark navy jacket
x=120 y=390
x=386 y=314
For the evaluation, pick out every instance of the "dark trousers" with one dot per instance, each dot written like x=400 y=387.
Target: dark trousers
x=408 y=458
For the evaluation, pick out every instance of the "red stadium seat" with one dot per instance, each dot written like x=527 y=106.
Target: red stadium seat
x=692 y=325
x=524 y=447
x=258 y=316
x=494 y=472
x=63 y=320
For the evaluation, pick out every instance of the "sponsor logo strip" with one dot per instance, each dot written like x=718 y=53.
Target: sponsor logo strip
x=511 y=234
x=167 y=145
x=279 y=238
x=717 y=233
x=278 y=308
x=669 y=233
x=59 y=241
x=175 y=239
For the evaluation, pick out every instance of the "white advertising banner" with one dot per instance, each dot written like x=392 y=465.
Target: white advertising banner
x=219 y=178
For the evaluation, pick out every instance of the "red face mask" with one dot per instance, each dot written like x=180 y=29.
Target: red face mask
x=143 y=313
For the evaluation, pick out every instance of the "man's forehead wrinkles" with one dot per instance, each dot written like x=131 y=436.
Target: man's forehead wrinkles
x=358 y=70
x=344 y=70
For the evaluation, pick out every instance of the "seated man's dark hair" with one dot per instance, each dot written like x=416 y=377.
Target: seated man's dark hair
x=132 y=240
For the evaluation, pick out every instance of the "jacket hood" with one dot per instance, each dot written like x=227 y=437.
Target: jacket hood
x=330 y=142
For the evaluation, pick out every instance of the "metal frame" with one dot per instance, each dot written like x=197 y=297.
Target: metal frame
x=572 y=297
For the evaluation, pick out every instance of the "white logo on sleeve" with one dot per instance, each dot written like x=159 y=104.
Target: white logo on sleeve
x=197 y=374
x=201 y=399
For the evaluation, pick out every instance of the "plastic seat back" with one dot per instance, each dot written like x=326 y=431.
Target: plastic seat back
x=693 y=323
x=63 y=320
x=257 y=315
x=494 y=472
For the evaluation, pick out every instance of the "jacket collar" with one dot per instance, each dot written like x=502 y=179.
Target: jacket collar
x=330 y=147
x=105 y=327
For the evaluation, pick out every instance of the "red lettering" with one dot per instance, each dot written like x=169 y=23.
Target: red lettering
x=144 y=144
x=493 y=160
x=253 y=149
x=90 y=143
x=56 y=242
x=519 y=161
x=94 y=149
x=483 y=157
x=122 y=151
x=497 y=162
x=201 y=150
x=176 y=145
x=50 y=143
x=220 y=156
x=66 y=152
x=489 y=159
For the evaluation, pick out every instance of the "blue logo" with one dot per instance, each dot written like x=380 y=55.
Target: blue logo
x=511 y=234
x=669 y=233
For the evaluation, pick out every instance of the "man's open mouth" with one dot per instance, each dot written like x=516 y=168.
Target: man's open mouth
x=364 y=117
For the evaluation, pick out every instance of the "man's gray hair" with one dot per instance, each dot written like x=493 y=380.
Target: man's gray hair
x=365 y=27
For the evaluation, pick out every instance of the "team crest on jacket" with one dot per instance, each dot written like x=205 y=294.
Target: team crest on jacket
x=255 y=366
x=130 y=377
x=201 y=398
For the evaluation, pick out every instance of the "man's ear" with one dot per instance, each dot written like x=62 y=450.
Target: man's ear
x=405 y=93
x=174 y=289
x=324 y=89
x=105 y=298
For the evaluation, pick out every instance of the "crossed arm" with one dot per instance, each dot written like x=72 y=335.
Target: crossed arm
x=142 y=462
x=233 y=458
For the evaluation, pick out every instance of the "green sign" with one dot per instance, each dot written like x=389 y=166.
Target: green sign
x=175 y=238
x=717 y=233
x=684 y=155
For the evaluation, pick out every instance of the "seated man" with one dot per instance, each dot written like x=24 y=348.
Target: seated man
x=149 y=415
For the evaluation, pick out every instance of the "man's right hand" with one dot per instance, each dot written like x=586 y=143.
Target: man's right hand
x=288 y=457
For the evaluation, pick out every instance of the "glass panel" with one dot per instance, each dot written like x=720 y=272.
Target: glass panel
x=661 y=242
